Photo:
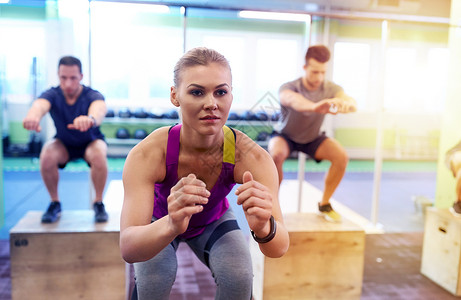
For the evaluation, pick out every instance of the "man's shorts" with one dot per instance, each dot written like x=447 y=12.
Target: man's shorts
x=309 y=148
x=75 y=152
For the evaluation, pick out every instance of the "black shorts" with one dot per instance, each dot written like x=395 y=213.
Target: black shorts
x=75 y=152
x=309 y=148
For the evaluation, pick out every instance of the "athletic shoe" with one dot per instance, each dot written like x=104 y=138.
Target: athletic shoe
x=456 y=209
x=100 y=214
x=53 y=212
x=329 y=214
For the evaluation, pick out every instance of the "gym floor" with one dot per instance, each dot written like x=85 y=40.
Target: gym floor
x=396 y=277
x=402 y=182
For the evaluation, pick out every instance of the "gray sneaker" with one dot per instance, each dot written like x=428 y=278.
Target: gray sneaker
x=456 y=209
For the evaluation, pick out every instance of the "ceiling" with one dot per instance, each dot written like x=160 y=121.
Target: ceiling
x=432 y=8
x=420 y=8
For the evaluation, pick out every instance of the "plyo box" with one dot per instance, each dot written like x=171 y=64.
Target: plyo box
x=325 y=261
x=74 y=258
x=440 y=260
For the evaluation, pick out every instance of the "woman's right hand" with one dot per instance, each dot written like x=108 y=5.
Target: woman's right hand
x=186 y=198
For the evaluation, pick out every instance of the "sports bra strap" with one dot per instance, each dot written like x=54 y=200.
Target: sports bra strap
x=229 y=145
x=172 y=152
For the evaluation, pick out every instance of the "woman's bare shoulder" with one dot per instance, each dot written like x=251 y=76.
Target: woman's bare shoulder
x=150 y=151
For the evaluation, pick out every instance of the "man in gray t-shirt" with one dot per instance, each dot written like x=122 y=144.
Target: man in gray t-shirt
x=304 y=103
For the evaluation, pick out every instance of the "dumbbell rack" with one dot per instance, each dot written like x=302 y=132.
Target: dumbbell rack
x=121 y=147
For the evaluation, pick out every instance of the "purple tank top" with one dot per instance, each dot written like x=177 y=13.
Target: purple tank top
x=217 y=202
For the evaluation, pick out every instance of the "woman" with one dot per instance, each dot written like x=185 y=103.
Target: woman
x=189 y=169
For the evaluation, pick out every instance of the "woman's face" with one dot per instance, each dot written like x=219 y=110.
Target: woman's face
x=205 y=96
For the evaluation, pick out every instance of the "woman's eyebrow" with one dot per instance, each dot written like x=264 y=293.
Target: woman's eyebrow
x=202 y=87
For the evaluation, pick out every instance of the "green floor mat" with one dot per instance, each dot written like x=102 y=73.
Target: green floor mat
x=290 y=165
x=32 y=164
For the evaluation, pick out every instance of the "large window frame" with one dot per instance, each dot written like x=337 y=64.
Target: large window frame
x=135 y=87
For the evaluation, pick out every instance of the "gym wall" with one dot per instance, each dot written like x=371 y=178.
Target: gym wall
x=66 y=32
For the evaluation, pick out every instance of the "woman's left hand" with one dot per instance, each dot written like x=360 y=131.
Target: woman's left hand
x=256 y=201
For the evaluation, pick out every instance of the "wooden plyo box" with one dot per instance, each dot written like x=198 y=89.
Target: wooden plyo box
x=74 y=258
x=325 y=261
x=441 y=255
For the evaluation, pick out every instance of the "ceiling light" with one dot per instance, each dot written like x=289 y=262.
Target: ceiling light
x=249 y=14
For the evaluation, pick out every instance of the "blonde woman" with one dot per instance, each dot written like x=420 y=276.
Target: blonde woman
x=176 y=181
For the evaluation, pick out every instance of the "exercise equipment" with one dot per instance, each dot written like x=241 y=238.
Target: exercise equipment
x=270 y=275
x=140 y=134
x=233 y=116
x=276 y=116
x=261 y=116
x=76 y=272
x=154 y=114
x=110 y=113
x=124 y=113
x=173 y=114
x=140 y=113
x=6 y=143
x=248 y=116
x=263 y=136
x=35 y=145
x=122 y=133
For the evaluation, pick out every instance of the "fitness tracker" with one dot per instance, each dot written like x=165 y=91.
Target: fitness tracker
x=94 y=121
x=271 y=234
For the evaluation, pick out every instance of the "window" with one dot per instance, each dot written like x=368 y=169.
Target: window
x=402 y=77
x=351 y=70
x=263 y=54
x=279 y=60
x=436 y=79
x=134 y=48
x=416 y=79
x=21 y=57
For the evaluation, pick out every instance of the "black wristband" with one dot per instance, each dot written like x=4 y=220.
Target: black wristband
x=271 y=234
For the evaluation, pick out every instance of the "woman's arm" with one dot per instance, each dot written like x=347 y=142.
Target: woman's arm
x=258 y=194
x=140 y=239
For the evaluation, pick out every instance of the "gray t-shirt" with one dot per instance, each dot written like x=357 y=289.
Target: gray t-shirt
x=303 y=128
